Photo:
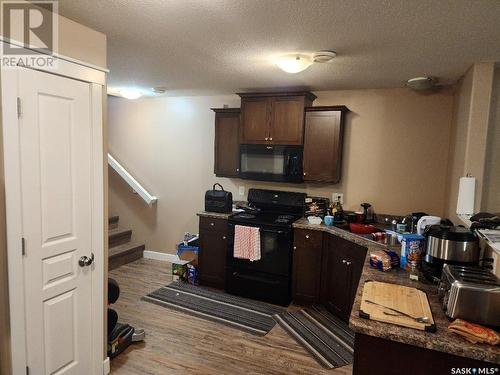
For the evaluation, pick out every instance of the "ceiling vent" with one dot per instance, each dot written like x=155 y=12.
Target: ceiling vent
x=422 y=83
x=324 y=56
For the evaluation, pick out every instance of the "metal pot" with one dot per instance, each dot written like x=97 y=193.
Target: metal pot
x=449 y=244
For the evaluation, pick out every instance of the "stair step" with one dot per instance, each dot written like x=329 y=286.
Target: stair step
x=113 y=222
x=124 y=253
x=118 y=236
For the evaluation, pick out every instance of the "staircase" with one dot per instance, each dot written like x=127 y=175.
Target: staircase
x=121 y=249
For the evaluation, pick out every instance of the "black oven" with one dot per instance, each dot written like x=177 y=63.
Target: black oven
x=267 y=279
x=271 y=162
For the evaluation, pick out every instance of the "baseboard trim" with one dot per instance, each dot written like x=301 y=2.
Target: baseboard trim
x=106 y=369
x=156 y=255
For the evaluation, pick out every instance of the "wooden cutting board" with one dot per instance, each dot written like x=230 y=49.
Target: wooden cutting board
x=409 y=300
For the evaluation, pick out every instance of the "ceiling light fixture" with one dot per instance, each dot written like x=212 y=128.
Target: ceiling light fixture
x=131 y=94
x=294 y=63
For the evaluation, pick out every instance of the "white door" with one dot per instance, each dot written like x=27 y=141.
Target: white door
x=56 y=181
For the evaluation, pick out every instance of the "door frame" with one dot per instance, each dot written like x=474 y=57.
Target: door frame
x=9 y=87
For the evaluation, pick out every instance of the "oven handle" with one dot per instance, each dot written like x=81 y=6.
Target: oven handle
x=272 y=231
x=255 y=278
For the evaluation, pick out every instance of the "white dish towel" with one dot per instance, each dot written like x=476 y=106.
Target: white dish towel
x=246 y=243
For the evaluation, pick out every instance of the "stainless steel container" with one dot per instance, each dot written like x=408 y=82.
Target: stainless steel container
x=449 y=243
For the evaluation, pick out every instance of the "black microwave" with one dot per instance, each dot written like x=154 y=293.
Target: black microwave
x=281 y=163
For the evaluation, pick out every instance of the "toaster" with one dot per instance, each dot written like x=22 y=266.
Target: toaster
x=470 y=293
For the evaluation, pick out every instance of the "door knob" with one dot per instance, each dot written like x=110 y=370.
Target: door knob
x=85 y=261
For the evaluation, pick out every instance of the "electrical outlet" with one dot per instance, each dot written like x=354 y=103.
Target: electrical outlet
x=241 y=190
x=338 y=197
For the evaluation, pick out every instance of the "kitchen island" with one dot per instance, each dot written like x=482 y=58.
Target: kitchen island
x=385 y=348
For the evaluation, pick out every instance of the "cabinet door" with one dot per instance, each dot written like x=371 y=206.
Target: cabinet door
x=307 y=251
x=335 y=281
x=227 y=146
x=323 y=145
x=255 y=116
x=212 y=258
x=287 y=121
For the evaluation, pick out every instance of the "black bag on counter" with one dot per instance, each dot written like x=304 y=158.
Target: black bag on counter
x=218 y=200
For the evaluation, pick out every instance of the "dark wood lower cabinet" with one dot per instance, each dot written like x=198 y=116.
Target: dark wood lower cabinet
x=342 y=266
x=212 y=256
x=326 y=269
x=376 y=356
x=307 y=252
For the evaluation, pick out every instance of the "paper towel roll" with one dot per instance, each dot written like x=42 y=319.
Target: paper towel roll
x=466 y=193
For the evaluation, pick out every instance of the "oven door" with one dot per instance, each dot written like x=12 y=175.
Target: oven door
x=275 y=250
x=271 y=162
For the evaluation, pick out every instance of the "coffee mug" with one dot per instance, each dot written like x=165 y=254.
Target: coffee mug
x=329 y=220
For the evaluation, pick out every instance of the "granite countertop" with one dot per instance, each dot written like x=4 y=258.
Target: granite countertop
x=215 y=215
x=442 y=340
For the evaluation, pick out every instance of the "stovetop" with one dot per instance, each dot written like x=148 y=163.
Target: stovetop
x=264 y=218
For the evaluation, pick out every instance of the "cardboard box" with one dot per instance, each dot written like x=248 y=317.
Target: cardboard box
x=179 y=270
x=189 y=253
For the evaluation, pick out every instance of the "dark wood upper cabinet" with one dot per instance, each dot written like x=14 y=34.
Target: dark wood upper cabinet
x=255 y=120
x=287 y=125
x=323 y=143
x=274 y=118
x=227 y=146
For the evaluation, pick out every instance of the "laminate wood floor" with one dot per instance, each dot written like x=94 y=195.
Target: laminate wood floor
x=177 y=343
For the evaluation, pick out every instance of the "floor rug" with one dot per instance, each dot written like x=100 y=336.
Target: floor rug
x=326 y=337
x=241 y=313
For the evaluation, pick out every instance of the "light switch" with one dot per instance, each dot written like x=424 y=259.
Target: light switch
x=241 y=190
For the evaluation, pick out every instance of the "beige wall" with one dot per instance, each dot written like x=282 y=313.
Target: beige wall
x=491 y=189
x=470 y=133
x=395 y=157
x=78 y=42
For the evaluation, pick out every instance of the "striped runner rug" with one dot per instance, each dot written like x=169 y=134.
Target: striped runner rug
x=326 y=337
x=241 y=313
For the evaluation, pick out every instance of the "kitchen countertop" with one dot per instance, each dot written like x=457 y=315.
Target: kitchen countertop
x=442 y=340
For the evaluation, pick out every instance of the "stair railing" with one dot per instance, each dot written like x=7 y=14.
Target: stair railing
x=131 y=181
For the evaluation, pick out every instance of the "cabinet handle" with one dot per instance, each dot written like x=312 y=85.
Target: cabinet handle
x=295 y=247
x=212 y=224
x=307 y=236
x=348 y=263
x=271 y=138
x=305 y=173
x=237 y=169
x=266 y=139
x=223 y=237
